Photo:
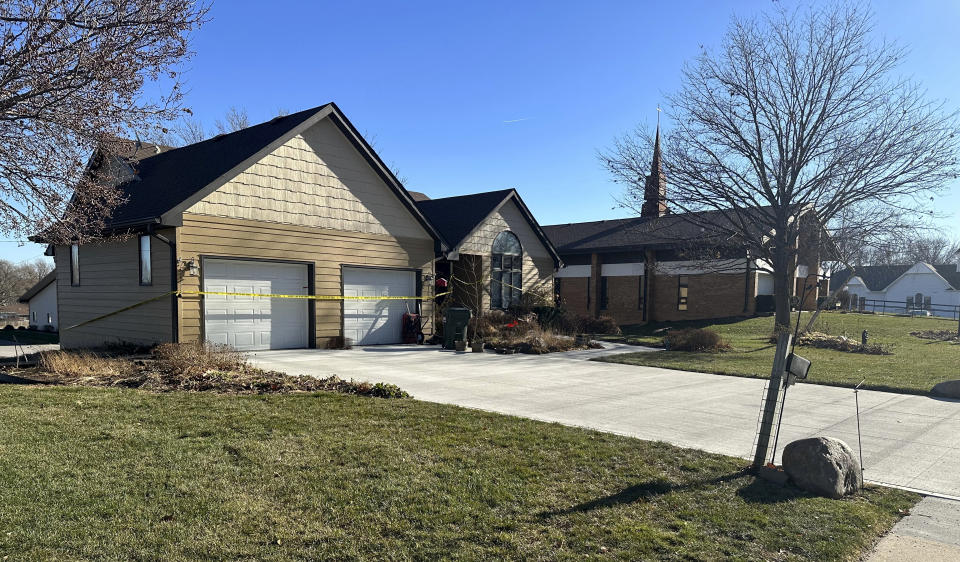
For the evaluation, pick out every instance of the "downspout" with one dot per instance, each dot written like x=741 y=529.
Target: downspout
x=175 y=334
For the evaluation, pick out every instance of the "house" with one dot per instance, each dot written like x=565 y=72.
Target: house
x=921 y=287
x=42 y=302
x=299 y=206
x=496 y=250
x=664 y=266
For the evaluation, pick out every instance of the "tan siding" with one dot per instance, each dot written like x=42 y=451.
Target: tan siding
x=538 y=268
x=317 y=179
x=110 y=280
x=327 y=250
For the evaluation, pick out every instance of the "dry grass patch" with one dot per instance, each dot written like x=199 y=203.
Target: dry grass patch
x=695 y=339
x=188 y=367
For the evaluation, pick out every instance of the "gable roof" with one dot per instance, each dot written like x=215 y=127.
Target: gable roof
x=171 y=181
x=879 y=277
x=41 y=285
x=457 y=217
x=641 y=232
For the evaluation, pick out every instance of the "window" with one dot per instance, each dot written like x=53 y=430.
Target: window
x=146 y=265
x=604 y=301
x=682 y=292
x=640 y=292
x=49 y=318
x=33 y=316
x=506 y=279
x=588 y=293
x=75 y=265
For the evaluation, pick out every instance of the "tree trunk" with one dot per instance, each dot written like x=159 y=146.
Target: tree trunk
x=782 y=289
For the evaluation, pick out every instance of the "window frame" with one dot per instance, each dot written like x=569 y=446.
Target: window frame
x=510 y=264
x=683 y=292
x=604 y=293
x=140 y=260
x=74 y=265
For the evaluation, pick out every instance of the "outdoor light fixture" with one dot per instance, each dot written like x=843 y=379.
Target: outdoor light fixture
x=191 y=267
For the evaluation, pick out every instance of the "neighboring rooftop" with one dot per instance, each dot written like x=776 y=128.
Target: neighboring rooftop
x=878 y=277
x=417 y=196
x=637 y=232
x=41 y=285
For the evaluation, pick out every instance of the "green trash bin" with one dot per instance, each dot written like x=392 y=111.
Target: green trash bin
x=455 y=321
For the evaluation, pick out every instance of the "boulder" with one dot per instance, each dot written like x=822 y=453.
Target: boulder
x=947 y=389
x=823 y=465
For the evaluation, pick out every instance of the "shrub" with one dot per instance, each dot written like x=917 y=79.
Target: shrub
x=8 y=327
x=601 y=325
x=696 y=339
x=191 y=358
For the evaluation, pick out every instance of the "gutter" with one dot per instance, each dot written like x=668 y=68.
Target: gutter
x=175 y=334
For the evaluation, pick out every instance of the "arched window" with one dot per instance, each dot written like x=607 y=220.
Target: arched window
x=506 y=278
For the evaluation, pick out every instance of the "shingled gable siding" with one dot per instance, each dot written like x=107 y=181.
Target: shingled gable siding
x=315 y=200
x=109 y=281
x=537 y=264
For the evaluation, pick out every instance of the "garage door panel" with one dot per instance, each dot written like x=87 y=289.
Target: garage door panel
x=253 y=323
x=370 y=320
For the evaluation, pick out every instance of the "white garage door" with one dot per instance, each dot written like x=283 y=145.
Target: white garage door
x=371 y=321
x=254 y=323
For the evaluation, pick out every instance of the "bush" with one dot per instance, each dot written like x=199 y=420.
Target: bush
x=702 y=340
x=192 y=358
x=83 y=364
x=601 y=325
x=8 y=327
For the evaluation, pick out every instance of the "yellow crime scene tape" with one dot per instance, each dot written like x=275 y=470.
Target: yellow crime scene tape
x=181 y=293
x=258 y=295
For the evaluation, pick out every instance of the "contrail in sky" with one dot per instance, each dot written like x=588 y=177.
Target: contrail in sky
x=518 y=120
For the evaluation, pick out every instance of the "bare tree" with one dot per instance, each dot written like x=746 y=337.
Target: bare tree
x=186 y=130
x=233 y=121
x=72 y=77
x=15 y=279
x=798 y=117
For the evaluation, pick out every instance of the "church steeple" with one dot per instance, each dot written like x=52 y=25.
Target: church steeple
x=655 y=189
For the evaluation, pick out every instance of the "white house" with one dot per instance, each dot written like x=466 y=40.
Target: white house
x=921 y=287
x=42 y=299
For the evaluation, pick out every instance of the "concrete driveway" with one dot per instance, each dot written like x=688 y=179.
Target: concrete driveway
x=908 y=441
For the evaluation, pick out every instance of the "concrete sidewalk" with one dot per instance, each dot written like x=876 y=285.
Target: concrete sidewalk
x=930 y=533
x=908 y=441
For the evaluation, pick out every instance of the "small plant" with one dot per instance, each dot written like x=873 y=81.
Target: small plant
x=192 y=358
x=695 y=339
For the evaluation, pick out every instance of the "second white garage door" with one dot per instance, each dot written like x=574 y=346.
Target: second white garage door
x=255 y=323
x=370 y=321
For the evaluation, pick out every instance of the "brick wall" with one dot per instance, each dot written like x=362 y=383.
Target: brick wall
x=710 y=295
x=573 y=292
x=623 y=300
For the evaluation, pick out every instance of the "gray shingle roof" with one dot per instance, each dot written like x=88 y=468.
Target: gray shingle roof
x=639 y=232
x=456 y=217
x=170 y=177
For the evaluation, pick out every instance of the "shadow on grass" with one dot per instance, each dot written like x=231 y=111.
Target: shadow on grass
x=658 y=487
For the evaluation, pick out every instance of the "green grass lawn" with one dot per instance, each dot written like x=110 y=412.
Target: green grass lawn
x=914 y=366
x=126 y=474
x=29 y=337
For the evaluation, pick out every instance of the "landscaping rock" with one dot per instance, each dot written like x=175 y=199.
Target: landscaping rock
x=823 y=465
x=947 y=389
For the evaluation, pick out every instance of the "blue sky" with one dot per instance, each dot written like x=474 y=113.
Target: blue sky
x=463 y=97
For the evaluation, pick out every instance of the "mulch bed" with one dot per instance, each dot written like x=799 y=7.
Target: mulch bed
x=938 y=335
x=838 y=343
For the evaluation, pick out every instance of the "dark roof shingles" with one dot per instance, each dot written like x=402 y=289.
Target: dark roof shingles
x=169 y=178
x=668 y=230
x=456 y=217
